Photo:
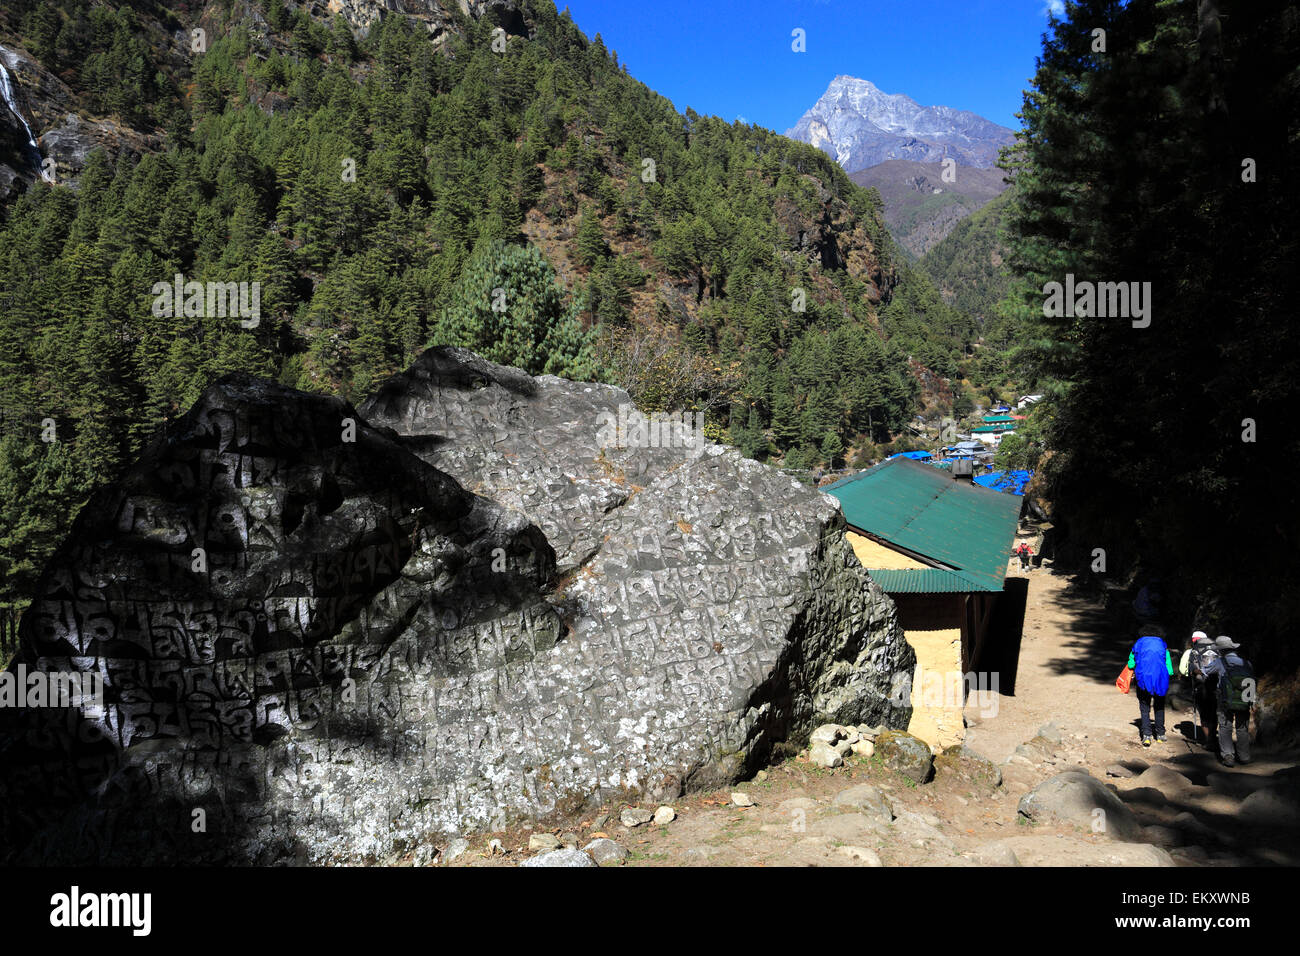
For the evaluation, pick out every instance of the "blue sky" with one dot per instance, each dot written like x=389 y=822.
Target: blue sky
x=733 y=58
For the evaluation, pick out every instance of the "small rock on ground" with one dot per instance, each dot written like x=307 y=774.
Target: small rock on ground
x=862 y=854
x=606 y=852
x=543 y=841
x=566 y=858
x=822 y=754
x=635 y=816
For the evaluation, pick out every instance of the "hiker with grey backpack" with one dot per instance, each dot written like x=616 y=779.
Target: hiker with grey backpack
x=1195 y=664
x=1235 y=679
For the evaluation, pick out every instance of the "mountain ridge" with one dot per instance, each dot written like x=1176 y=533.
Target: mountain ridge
x=863 y=126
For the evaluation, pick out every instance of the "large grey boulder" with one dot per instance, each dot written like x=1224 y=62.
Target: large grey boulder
x=1077 y=798
x=381 y=651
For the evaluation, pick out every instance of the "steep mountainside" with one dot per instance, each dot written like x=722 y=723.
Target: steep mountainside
x=921 y=208
x=967 y=266
x=374 y=174
x=861 y=126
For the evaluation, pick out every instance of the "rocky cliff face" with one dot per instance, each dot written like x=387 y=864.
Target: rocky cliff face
x=38 y=108
x=326 y=638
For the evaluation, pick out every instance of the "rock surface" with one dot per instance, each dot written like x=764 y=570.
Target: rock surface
x=376 y=656
x=868 y=799
x=606 y=852
x=906 y=754
x=1076 y=797
x=564 y=858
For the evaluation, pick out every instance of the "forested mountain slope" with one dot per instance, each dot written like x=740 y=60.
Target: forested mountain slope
x=376 y=177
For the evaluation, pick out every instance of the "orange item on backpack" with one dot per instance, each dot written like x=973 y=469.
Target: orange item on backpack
x=1125 y=679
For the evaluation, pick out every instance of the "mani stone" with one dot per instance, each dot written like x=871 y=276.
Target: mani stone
x=470 y=603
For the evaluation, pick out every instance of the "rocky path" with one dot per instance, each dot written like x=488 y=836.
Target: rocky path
x=1051 y=775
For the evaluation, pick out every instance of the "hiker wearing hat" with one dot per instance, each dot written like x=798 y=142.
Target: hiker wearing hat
x=1235 y=680
x=1152 y=667
x=1194 y=664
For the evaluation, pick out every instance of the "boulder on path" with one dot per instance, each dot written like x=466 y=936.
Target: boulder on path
x=1047 y=850
x=995 y=854
x=1274 y=806
x=306 y=623
x=1079 y=799
x=868 y=799
x=969 y=765
x=906 y=755
x=1171 y=783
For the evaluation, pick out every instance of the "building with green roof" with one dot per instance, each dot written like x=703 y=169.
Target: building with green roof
x=938 y=545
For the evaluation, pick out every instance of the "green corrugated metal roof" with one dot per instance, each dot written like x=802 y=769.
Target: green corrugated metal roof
x=921 y=581
x=922 y=509
x=989 y=428
x=993 y=419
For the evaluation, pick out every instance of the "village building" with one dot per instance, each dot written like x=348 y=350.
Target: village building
x=939 y=546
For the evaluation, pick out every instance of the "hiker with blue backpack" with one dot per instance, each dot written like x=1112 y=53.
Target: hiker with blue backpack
x=1236 y=682
x=1152 y=667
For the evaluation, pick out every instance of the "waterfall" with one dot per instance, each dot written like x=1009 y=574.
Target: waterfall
x=7 y=91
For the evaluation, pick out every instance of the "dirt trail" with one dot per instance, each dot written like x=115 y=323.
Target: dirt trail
x=1063 y=713
x=1069 y=658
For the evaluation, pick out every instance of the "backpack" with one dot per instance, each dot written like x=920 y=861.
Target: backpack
x=1200 y=663
x=1237 y=686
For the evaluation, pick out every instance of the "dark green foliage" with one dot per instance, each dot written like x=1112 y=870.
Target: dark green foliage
x=966 y=266
x=1132 y=170
x=377 y=190
x=508 y=307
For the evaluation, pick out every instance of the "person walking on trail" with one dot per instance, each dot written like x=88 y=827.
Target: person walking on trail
x=1194 y=664
x=1152 y=667
x=1236 y=698
x=1024 y=553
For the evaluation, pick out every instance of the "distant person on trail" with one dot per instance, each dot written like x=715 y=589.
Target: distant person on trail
x=1025 y=554
x=1195 y=664
x=1235 y=679
x=1147 y=602
x=1152 y=667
